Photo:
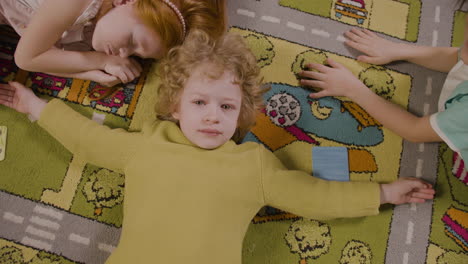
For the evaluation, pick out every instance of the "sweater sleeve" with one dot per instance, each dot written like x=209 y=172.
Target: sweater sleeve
x=95 y=143
x=302 y=194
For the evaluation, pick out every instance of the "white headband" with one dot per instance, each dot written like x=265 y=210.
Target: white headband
x=178 y=13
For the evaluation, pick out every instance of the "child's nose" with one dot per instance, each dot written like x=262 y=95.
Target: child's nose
x=212 y=115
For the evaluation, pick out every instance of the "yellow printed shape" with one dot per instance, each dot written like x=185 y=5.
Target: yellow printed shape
x=381 y=21
x=63 y=199
x=388 y=153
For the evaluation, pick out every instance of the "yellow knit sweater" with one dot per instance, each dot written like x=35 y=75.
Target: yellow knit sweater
x=184 y=204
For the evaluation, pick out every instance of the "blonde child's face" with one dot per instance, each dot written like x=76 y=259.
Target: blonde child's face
x=208 y=109
x=122 y=33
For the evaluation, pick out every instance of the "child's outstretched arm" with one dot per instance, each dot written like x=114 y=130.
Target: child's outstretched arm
x=302 y=194
x=381 y=51
x=337 y=80
x=95 y=143
x=36 y=52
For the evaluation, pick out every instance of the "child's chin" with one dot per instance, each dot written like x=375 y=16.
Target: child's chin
x=208 y=145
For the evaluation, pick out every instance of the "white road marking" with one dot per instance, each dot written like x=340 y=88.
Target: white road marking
x=106 y=247
x=36 y=243
x=340 y=38
x=426 y=108
x=295 y=26
x=429 y=86
x=435 y=38
x=321 y=33
x=13 y=218
x=409 y=233
x=421 y=147
x=244 y=12
x=48 y=211
x=405 y=258
x=437 y=14
x=44 y=222
x=270 y=19
x=40 y=233
x=413 y=206
x=419 y=166
x=79 y=239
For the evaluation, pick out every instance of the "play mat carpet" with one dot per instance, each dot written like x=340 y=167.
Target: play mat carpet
x=56 y=208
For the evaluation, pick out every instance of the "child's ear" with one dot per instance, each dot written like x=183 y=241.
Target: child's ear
x=176 y=115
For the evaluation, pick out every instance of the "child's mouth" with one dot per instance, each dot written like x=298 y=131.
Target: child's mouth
x=210 y=132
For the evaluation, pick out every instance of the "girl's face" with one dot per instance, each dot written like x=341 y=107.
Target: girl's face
x=122 y=33
x=208 y=109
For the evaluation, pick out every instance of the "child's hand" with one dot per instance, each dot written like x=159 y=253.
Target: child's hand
x=18 y=97
x=126 y=69
x=102 y=78
x=336 y=80
x=378 y=50
x=406 y=190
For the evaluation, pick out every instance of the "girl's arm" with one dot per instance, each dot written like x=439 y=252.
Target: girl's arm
x=96 y=76
x=97 y=144
x=337 y=80
x=36 y=51
x=381 y=51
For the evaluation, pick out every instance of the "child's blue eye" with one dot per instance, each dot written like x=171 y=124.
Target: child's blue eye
x=226 y=107
x=198 y=102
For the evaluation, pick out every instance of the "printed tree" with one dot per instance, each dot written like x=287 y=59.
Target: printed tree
x=379 y=81
x=11 y=255
x=262 y=48
x=104 y=188
x=451 y=257
x=308 y=238
x=306 y=57
x=46 y=258
x=356 y=252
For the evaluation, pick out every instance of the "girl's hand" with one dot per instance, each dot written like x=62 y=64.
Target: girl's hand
x=16 y=96
x=126 y=69
x=406 y=190
x=101 y=78
x=335 y=80
x=378 y=50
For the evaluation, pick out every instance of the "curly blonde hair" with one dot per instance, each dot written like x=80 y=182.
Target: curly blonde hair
x=227 y=53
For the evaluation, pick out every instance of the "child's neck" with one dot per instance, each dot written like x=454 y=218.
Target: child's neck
x=106 y=6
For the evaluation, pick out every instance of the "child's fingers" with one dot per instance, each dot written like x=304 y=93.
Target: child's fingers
x=320 y=94
x=6 y=87
x=334 y=64
x=312 y=83
x=368 y=59
x=137 y=66
x=422 y=195
x=416 y=200
x=317 y=66
x=312 y=75
x=357 y=46
x=17 y=85
x=6 y=101
x=7 y=92
x=359 y=33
